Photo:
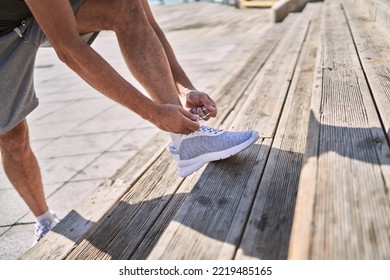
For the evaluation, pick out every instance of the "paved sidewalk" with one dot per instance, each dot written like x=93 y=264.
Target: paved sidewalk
x=80 y=138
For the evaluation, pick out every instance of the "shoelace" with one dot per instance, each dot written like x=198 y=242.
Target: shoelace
x=207 y=130
x=41 y=230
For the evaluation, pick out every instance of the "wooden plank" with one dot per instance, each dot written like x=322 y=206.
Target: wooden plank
x=374 y=54
x=282 y=8
x=351 y=204
x=267 y=233
x=255 y=3
x=211 y=220
x=301 y=232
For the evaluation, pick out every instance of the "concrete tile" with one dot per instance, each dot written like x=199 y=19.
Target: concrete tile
x=63 y=83
x=105 y=166
x=3 y=229
x=76 y=111
x=16 y=241
x=50 y=189
x=4 y=182
x=65 y=95
x=114 y=119
x=71 y=194
x=46 y=56
x=67 y=197
x=63 y=169
x=80 y=144
x=37 y=145
x=50 y=131
x=43 y=111
x=12 y=207
x=135 y=139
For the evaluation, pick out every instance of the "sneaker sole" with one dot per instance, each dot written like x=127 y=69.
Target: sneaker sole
x=188 y=167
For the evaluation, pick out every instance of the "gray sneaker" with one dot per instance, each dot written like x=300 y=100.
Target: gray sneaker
x=209 y=144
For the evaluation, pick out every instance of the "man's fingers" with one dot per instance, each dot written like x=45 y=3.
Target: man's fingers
x=205 y=115
x=209 y=105
x=206 y=101
x=202 y=112
x=192 y=114
x=201 y=104
x=191 y=120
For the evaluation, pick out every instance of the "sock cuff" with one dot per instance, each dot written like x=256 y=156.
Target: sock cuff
x=176 y=139
x=46 y=216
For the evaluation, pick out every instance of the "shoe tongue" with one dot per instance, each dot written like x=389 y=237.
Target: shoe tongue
x=204 y=128
x=209 y=129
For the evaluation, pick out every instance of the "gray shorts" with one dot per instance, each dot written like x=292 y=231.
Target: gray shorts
x=17 y=59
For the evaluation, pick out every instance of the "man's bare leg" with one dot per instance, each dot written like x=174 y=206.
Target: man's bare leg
x=22 y=168
x=140 y=46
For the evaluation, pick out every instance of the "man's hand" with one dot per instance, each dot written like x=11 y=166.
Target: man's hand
x=174 y=118
x=200 y=104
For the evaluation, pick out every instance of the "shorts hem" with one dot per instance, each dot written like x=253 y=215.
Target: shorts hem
x=26 y=112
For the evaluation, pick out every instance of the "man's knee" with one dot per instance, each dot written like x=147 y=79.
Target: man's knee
x=129 y=14
x=116 y=15
x=16 y=142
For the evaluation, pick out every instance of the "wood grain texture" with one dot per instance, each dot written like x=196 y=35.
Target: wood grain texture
x=351 y=209
x=374 y=54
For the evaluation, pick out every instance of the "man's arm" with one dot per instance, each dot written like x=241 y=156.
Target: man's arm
x=195 y=100
x=58 y=22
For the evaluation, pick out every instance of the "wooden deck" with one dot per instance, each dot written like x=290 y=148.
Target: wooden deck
x=315 y=185
x=255 y=3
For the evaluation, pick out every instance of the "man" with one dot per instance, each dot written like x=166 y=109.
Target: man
x=25 y=25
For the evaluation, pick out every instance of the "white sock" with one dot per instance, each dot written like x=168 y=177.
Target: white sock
x=48 y=216
x=176 y=139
